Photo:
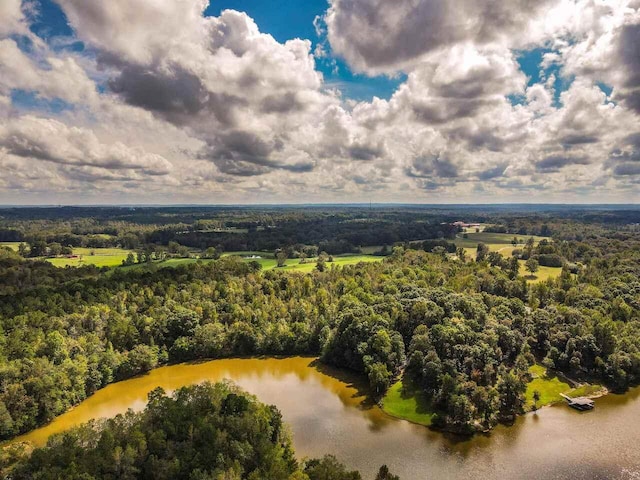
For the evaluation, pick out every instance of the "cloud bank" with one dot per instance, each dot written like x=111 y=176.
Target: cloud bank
x=165 y=104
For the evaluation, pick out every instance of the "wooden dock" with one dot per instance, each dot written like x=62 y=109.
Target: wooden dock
x=579 y=403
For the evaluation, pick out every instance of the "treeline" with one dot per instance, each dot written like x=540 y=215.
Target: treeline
x=332 y=234
x=202 y=432
x=333 y=230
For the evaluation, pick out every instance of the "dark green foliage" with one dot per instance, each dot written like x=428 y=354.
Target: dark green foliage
x=203 y=431
x=385 y=474
x=364 y=342
x=328 y=468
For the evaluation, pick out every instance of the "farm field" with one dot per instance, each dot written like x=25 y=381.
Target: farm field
x=497 y=242
x=100 y=257
x=372 y=249
x=12 y=245
x=267 y=263
x=294 y=264
x=249 y=253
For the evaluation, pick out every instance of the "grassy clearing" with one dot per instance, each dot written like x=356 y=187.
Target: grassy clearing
x=543 y=273
x=495 y=241
x=372 y=249
x=310 y=265
x=550 y=387
x=266 y=263
x=100 y=257
x=480 y=228
x=250 y=253
x=12 y=245
x=405 y=402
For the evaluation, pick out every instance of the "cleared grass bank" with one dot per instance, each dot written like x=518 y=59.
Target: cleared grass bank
x=407 y=403
x=550 y=386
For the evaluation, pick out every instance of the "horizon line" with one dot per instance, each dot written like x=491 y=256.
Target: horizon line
x=319 y=204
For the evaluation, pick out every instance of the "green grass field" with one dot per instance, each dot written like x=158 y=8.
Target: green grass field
x=495 y=241
x=543 y=273
x=402 y=401
x=249 y=254
x=294 y=264
x=102 y=257
x=12 y=245
x=551 y=386
x=372 y=249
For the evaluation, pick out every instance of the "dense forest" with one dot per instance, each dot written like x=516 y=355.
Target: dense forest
x=464 y=328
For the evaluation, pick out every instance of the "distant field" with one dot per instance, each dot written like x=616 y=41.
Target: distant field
x=480 y=227
x=268 y=263
x=102 y=257
x=294 y=264
x=495 y=241
x=12 y=245
x=249 y=254
x=501 y=243
x=226 y=230
x=371 y=250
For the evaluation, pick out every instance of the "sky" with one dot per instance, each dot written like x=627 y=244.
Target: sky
x=321 y=101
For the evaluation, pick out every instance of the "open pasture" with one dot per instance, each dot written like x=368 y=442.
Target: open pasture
x=293 y=264
x=100 y=257
x=495 y=241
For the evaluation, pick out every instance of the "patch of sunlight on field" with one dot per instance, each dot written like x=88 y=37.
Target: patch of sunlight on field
x=495 y=241
x=543 y=273
x=310 y=265
x=291 y=265
x=100 y=257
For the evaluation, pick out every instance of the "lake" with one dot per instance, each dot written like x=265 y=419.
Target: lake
x=329 y=413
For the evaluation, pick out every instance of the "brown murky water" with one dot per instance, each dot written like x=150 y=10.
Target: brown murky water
x=329 y=414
